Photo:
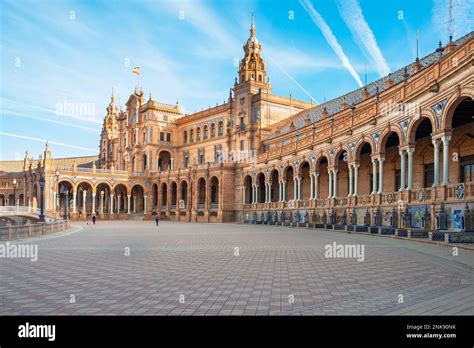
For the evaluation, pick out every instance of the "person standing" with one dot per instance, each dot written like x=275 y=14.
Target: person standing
x=157 y=220
x=93 y=219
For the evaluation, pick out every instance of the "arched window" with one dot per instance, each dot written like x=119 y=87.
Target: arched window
x=198 y=134
x=213 y=130
x=185 y=137
x=220 y=129
x=191 y=135
x=205 y=132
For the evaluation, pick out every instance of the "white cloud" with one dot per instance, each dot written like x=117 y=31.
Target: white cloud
x=330 y=38
x=352 y=15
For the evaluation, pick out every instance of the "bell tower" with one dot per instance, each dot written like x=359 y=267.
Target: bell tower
x=252 y=67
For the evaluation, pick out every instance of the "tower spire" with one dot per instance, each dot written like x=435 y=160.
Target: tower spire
x=252 y=27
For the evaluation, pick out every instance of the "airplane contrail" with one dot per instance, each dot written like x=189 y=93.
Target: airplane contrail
x=330 y=38
x=49 y=141
x=351 y=13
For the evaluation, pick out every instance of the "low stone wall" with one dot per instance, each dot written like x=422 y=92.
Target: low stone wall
x=31 y=230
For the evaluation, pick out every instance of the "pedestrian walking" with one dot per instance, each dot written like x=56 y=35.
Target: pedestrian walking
x=157 y=220
x=93 y=219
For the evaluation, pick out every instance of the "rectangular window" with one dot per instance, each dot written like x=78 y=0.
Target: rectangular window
x=186 y=161
x=162 y=136
x=241 y=145
x=168 y=138
x=467 y=169
x=428 y=175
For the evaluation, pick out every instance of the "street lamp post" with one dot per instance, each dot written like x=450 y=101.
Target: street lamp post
x=41 y=182
x=14 y=191
x=58 y=194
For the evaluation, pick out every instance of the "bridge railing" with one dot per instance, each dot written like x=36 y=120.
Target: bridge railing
x=15 y=232
x=11 y=210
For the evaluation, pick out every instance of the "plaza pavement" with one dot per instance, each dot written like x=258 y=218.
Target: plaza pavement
x=273 y=266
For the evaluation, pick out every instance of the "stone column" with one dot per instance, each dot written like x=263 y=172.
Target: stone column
x=54 y=201
x=74 y=194
x=446 y=139
x=356 y=179
x=311 y=186
x=84 y=196
x=283 y=193
x=381 y=160
x=410 y=152
x=101 y=209
x=330 y=183
x=374 y=175
x=316 y=185
x=350 y=179
x=93 y=203
x=111 y=204
x=243 y=195
x=119 y=198
x=436 y=162
x=144 y=205
x=267 y=193
x=402 y=169
x=135 y=204
x=334 y=193
x=128 y=205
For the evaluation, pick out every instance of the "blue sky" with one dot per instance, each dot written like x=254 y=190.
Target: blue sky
x=58 y=53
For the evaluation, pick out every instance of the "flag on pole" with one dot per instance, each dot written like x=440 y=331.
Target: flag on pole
x=136 y=70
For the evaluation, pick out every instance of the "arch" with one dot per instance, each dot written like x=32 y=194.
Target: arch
x=274 y=186
x=220 y=128
x=213 y=130
x=185 y=137
x=164 y=160
x=144 y=162
x=360 y=145
x=340 y=151
x=214 y=184
x=201 y=192
x=247 y=189
x=305 y=187
x=104 y=183
x=122 y=186
x=174 y=194
x=121 y=191
x=191 y=136
x=137 y=203
x=85 y=182
x=84 y=206
x=450 y=109
x=261 y=187
x=387 y=133
x=154 y=195
x=103 y=204
x=414 y=124
x=164 y=195
x=66 y=188
x=198 y=134
x=69 y=181
x=319 y=159
x=184 y=192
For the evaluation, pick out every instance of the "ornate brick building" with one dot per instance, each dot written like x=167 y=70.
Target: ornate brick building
x=397 y=152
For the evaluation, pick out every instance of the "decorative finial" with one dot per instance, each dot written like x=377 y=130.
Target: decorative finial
x=112 y=98
x=149 y=98
x=252 y=27
x=47 y=144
